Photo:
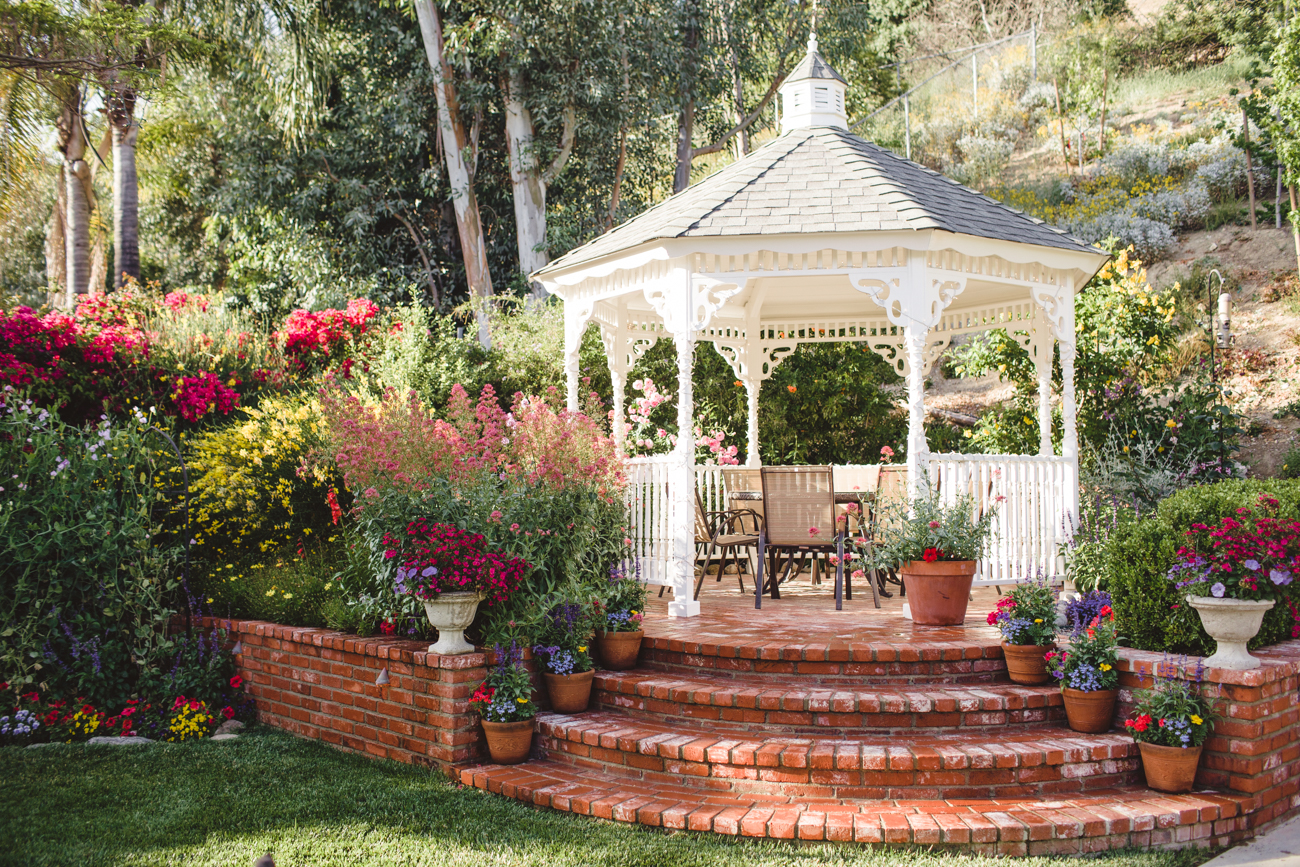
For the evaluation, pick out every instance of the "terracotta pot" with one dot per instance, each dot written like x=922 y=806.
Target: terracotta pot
x=1091 y=712
x=618 y=650
x=509 y=742
x=938 y=592
x=1170 y=769
x=1027 y=663
x=569 y=692
x=450 y=613
x=1232 y=623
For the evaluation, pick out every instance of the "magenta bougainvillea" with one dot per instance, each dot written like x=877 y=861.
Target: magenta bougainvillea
x=321 y=339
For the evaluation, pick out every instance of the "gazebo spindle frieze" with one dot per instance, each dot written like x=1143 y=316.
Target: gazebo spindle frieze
x=887 y=254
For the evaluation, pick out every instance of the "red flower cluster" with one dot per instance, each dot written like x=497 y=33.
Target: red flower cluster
x=931 y=554
x=319 y=338
x=439 y=558
x=1140 y=724
x=196 y=396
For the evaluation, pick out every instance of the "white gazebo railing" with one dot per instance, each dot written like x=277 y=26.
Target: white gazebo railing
x=649 y=518
x=1029 y=494
x=1030 y=498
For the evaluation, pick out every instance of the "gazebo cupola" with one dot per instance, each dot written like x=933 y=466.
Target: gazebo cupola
x=813 y=95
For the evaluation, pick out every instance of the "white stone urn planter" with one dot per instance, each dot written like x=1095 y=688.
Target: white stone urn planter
x=450 y=613
x=1232 y=623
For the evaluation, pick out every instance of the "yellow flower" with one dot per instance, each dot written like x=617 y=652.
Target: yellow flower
x=270 y=592
x=582 y=649
x=522 y=700
x=1105 y=666
x=1171 y=424
x=1196 y=720
x=209 y=600
x=1038 y=620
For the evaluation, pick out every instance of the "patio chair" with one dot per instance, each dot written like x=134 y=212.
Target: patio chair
x=800 y=517
x=892 y=487
x=725 y=532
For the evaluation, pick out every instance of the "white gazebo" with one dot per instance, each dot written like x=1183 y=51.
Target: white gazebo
x=821 y=236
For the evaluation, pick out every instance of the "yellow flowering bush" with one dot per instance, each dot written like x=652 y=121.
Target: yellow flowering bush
x=83 y=724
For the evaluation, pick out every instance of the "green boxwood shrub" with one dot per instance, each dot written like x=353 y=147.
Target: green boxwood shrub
x=1152 y=614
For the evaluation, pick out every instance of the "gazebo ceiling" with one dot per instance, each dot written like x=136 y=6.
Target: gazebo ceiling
x=820 y=182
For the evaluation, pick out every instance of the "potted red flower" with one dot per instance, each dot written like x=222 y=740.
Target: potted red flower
x=1088 y=669
x=1026 y=617
x=1170 y=725
x=934 y=547
x=504 y=703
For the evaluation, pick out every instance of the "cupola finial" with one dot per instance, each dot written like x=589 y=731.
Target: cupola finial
x=812 y=34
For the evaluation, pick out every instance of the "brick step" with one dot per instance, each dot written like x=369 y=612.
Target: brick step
x=1044 y=762
x=913 y=659
x=1079 y=824
x=761 y=704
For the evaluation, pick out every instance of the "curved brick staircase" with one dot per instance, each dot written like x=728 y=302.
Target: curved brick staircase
x=757 y=726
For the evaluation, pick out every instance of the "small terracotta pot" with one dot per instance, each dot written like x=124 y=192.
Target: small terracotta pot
x=938 y=592
x=1091 y=712
x=1027 y=663
x=618 y=650
x=509 y=742
x=1170 y=769
x=569 y=692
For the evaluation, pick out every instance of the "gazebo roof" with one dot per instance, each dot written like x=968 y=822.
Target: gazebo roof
x=821 y=180
x=813 y=65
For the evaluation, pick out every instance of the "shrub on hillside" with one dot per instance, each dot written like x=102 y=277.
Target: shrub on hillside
x=1152 y=613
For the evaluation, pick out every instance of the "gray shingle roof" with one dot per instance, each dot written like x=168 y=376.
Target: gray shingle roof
x=822 y=179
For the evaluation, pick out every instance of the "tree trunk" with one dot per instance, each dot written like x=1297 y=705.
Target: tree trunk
x=459 y=160
x=76 y=219
x=525 y=181
x=126 y=201
x=56 y=252
x=685 y=132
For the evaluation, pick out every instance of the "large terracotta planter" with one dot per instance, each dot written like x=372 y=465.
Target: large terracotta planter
x=569 y=692
x=1169 y=769
x=509 y=742
x=1092 y=712
x=938 y=592
x=1232 y=623
x=450 y=613
x=618 y=650
x=1027 y=663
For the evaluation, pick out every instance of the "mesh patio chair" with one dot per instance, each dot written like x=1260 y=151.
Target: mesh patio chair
x=892 y=488
x=725 y=532
x=799 y=506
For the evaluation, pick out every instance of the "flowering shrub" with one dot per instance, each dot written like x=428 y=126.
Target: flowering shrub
x=327 y=338
x=1249 y=556
x=84 y=575
x=1090 y=663
x=438 y=558
x=622 y=603
x=648 y=428
x=507 y=693
x=1027 y=615
x=1173 y=712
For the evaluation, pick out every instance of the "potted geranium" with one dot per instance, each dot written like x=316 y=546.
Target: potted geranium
x=504 y=703
x=1170 y=723
x=620 y=613
x=565 y=638
x=933 y=547
x=1026 y=617
x=1087 y=671
x=451 y=572
x=1234 y=573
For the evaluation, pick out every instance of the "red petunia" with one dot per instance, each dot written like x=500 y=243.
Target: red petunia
x=228 y=712
x=236 y=682
x=194 y=705
x=931 y=554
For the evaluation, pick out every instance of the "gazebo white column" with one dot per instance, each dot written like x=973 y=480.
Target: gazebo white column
x=918 y=450
x=752 y=386
x=1041 y=345
x=684 y=603
x=1070 y=433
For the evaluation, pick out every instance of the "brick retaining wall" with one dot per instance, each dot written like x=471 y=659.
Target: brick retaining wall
x=1254 y=750
x=321 y=684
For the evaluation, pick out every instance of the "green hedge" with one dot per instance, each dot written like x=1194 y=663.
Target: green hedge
x=1151 y=613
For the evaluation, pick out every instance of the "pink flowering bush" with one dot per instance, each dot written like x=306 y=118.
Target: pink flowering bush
x=648 y=425
x=328 y=339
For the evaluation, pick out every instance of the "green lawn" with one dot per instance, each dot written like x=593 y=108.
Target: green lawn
x=211 y=803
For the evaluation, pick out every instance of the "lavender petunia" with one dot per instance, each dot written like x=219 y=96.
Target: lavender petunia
x=1252 y=565
x=1217 y=590
x=1280 y=577
x=429 y=572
